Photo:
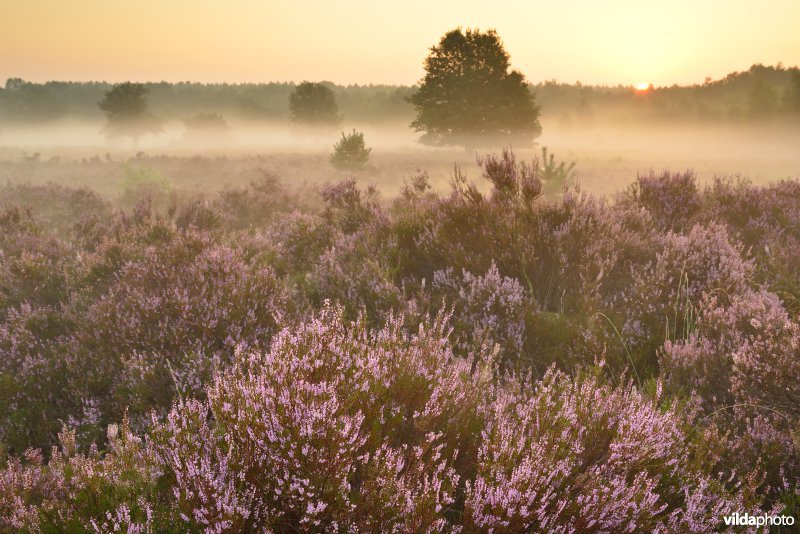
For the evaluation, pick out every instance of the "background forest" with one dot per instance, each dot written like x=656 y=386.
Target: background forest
x=758 y=93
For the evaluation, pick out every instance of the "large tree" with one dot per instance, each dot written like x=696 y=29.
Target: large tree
x=313 y=104
x=125 y=106
x=469 y=96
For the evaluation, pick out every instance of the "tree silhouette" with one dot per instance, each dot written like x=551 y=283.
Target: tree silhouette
x=313 y=104
x=125 y=106
x=762 y=99
x=792 y=94
x=469 y=97
x=206 y=127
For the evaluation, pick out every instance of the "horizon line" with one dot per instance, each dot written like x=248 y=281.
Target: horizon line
x=779 y=66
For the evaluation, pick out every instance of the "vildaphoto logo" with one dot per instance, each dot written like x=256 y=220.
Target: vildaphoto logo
x=741 y=520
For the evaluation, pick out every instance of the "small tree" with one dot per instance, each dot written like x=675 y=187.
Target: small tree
x=125 y=106
x=469 y=97
x=554 y=174
x=350 y=153
x=313 y=104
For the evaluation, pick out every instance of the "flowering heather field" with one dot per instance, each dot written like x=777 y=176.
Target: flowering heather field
x=261 y=361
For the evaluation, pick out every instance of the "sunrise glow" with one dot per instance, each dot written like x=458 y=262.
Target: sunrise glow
x=366 y=42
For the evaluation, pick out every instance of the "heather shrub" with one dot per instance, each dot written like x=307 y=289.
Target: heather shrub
x=588 y=254
x=111 y=246
x=355 y=272
x=34 y=375
x=741 y=436
x=170 y=317
x=585 y=250
x=63 y=360
x=119 y=490
x=570 y=256
x=755 y=212
x=200 y=215
x=672 y=199
x=356 y=267
x=347 y=209
x=300 y=239
x=26 y=491
x=512 y=182
x=553 y=339
x=726 y=332
x=628 y=466
x=255 y=206
x=139 y=183
x=768 y=364
x=736 y=203
x=341 y=427
x=574 y=258
x=742 y=361
x=413 y=214
x=767 y=221
x=409 y=489
x=340 y=417
x=34 y=266
x=118 y=237
x=57 y=208
x=467 y=229
x=441 y=232
x=661 y=302
x=752 y=344
x=152 y=312
x=487 y=311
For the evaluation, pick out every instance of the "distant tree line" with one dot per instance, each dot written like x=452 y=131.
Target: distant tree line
x=23 y=101
x=762 y=92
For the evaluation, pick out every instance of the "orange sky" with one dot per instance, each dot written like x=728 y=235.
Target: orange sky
x=359 y=41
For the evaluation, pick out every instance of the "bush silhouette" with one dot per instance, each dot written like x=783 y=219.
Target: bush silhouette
x=350 y=153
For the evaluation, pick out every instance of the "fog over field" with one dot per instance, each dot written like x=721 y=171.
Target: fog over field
x=608 y=157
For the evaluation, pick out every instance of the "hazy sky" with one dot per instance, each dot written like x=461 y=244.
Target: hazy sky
x=374 y=41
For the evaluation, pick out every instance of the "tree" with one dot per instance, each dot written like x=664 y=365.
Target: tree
x=469 y=97
x=205 y=128
x=350 y=153
x=313 y=104
x=761 y=100
x=26 y=101
x=792 y=94
x=125 y=106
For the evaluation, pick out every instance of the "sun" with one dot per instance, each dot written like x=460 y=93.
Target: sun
x=643 y=87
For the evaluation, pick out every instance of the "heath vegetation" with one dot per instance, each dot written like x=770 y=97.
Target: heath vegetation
x=487 y=358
